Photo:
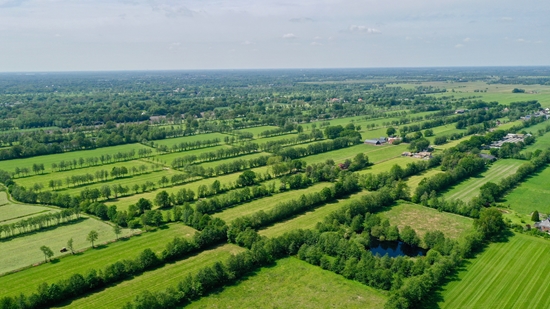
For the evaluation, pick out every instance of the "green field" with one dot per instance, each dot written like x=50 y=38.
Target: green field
x=309 y=219
x=11 y=212
x=260 y=141
x=375 y=153
x=385 y=166
x=468 y=189
x=47 y=160
x=533 y=194
x=258 y=130
x=292 y=283
x=266 y=203
x=24 y=250
x=413 y=181
x=155 y=280
x=26 y=281
x=424 y=219
x=511 y=274
x=541 y=142
x=191 y=138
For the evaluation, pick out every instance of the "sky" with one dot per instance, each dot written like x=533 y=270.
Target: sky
x=100 y=35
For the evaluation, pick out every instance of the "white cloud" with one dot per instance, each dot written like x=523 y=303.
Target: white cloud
x=506 y=19
x=289 y=36
x=459 y=46
x=520 y=40
x=467 y=40
x=247 y=43
x=316 y=44
x=364 y=29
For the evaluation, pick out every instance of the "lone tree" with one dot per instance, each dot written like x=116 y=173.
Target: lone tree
x=391 y=131
x=535 y=216
x=48 y=253
x=70 y=245
x=117 y=230
x=92 y=236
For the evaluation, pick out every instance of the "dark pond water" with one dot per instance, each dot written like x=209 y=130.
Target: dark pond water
x=395 y=249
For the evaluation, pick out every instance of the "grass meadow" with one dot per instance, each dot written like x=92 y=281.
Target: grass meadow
x=309 y=219
x=510 y=274
x=128 y=248
x=47 y=160
x=25 y=250
x=292 y=283
x=414 y=181
x=424 y=219
x=258 y=130
x=533 y=194
x=191 y=138
x=11 y=212
x=266 y=203
x=468 y=189
x=158 y=279
x=168 y=158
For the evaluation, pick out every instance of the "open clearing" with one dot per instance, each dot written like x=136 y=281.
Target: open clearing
x=292 y=283
x=258 y=130
x=385 y=166
x=47 y=160
x=266 y=203
x=468 y=189
x=309 y=219
x=533 y=194
x=155 y=280
x=128 y=248
x=424 y=219
x=25 y=250
x=414 y=181
x=512 y=274
x=375 y=153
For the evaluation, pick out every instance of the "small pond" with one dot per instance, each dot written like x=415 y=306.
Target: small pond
x=395 y=249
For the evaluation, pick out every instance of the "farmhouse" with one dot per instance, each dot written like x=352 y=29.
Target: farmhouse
x=510 y=138
x=543 y=225
x=377 y=141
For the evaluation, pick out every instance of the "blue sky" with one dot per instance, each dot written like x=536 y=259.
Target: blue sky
x=62 y=35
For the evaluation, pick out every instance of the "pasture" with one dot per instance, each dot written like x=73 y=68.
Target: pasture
x=11 y=212
x=168 y=158
x=155 y=280
x=26 y=281
x=509 y=274
x=191 y=138
x=424 y=219
x=257 y=130
x=293 y=283
x=25 y=250
x=375 y=153
x=309 y=219
x=385 y=166
x=469 y=188
x=414 y=181
x=533 y=194
x=47 y=160
x=266 y=203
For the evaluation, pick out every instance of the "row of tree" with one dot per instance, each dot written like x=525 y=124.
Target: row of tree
x=37 y=223
x=219 y=154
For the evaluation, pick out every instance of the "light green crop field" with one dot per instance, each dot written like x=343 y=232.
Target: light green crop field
x=509 y=124
x=510 y=274
x=451 y=143
x=26 y=281
x=532 y=194
x=423 y=219
x=266 y=203
x=445 y=131
x=468 y=189
x=413 y=181
x=47 y=160
x=292 y=283
x=258 y=130
x=44 y=179
x=25 y=250
x=126 y=201
x=155 y=280
x=169 y=157
x=191 y=138
x=11 y=212
x=541 y=142
x=309 y=219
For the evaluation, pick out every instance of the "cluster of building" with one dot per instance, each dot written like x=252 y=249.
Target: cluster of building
x=419 y=155
x=509 y=138
x=382 y=140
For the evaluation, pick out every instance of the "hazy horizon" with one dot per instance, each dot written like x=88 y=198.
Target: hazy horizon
x=160 y=35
